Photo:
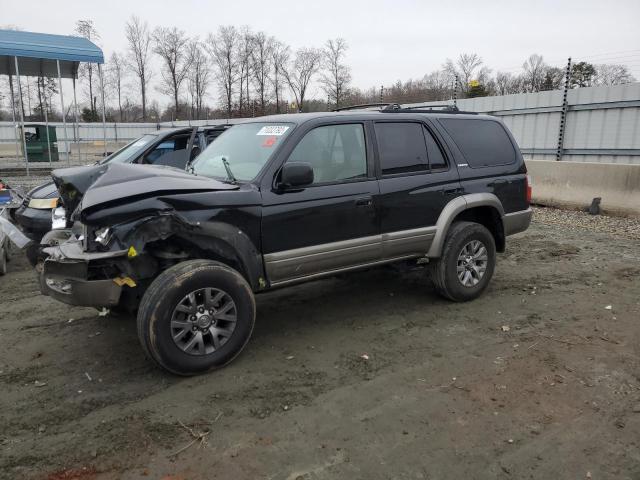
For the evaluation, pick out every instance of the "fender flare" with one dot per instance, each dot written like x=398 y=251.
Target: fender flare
x=230 y=242
x=222 y=241
x=451 y=211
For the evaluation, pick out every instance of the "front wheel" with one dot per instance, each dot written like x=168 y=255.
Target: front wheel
x=467 y=263
x=196 y=316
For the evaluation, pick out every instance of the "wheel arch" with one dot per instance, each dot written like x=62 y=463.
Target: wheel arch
x=483 y=208
x=224 y=243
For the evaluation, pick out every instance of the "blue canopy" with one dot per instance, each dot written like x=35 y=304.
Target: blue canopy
x=38 y=52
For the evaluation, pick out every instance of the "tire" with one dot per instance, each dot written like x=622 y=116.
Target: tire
x=168 y=305
x=444 y=271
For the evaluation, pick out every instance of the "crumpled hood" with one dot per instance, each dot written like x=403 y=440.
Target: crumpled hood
x=111 y=183
x=73 y=182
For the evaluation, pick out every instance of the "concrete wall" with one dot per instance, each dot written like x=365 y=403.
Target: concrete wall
x=575 y=184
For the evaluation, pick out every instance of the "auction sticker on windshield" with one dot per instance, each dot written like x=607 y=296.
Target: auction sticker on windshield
x=275 y=130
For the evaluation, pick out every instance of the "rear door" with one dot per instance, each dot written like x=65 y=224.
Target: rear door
x=417 y=180
x=331 y=224
x=491 y=159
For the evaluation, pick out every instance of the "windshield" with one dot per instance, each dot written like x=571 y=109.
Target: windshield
x=245 y=149
x=130 y=151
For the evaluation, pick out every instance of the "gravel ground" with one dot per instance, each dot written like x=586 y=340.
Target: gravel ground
x=369 y=375
x=581 y=221
x=25 y=183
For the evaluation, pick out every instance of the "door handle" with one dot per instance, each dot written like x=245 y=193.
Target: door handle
x=451 y=191
x=364 y=201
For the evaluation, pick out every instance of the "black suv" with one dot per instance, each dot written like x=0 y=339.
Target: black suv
x=280 y=200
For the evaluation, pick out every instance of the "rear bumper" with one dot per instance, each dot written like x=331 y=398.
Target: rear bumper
x=65 y=277
x=517 y=222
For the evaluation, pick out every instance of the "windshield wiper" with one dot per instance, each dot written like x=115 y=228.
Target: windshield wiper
x=230 y=175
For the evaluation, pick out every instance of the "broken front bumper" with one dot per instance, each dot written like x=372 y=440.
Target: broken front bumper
x=65 y=277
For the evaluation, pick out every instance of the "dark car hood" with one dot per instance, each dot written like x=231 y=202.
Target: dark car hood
x=46 y=190
x=121 y=183
x=72 y=183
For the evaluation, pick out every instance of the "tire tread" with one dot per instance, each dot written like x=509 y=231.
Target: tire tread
x=163 y=282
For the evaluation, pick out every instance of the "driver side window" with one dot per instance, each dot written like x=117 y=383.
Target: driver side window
x=336 y=153
x=172 y=152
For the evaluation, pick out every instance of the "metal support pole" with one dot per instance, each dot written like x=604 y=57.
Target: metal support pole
x=46 y=125
x=24 y=140
x=64 y=116
x=46 y=116
x=13 y=113
x=563 y=112
x=76 y=127
x=381 y=93
x=455 y=92
x=104 y=118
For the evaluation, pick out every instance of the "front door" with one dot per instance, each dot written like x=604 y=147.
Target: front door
x=332 y=223
x=416 y=182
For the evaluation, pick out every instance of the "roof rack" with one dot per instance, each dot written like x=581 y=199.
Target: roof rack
x=397 y=108
x=445 y=107
x=385 y=106
x=450 y=109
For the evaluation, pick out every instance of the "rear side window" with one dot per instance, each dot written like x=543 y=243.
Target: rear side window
x=483 y=143
x=402 y=147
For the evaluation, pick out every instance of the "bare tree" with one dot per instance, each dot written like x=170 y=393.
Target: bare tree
x=198 y=78
x=86 y=29
x=534 y=72
x=280 y=58
x=439 y=83
x=261 y=60
x=300 y=72
x=137 y=33
x=335 y=81
x=223 y=48
x=504 y=83
x=467 y=64
x=608 y=74
x=245 y=48
x=116 y=73
x=172 y=46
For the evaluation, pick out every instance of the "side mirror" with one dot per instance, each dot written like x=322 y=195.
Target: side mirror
x=296 y=174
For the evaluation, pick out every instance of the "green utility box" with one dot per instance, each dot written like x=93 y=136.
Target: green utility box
x=39 y=144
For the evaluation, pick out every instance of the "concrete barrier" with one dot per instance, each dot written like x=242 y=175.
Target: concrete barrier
x=575 y=184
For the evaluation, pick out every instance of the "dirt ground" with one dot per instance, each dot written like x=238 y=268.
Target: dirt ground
x=366 y=376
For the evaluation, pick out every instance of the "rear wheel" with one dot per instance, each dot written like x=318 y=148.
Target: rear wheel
x=196 y=316
x=467 y=263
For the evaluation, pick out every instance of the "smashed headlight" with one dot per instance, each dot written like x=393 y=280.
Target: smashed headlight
x=103 y=236
x=58 y=218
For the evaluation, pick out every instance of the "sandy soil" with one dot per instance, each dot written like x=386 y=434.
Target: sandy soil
x=369 y=376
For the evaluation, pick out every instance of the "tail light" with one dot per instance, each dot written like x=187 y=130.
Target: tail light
x=527 y=185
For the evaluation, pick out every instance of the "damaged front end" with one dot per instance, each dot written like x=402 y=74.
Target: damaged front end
x=73 y=276
x=135 y=221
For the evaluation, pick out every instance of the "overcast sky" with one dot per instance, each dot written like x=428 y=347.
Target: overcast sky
x=388 y=40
